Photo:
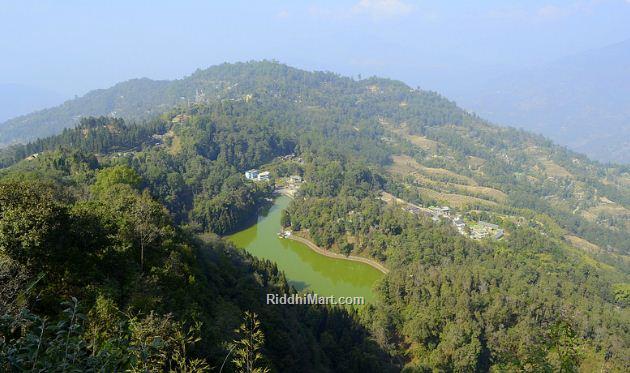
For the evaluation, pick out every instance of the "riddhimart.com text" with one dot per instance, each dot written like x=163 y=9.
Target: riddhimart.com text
x=313 y=298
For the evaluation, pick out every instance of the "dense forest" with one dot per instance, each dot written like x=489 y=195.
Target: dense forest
x=97 y=278
x=154 y=287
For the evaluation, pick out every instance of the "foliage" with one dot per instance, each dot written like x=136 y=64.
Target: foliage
x=469 y=306
x=76 y=342
x=173 y=311
x=107 y=178
x=247 y=355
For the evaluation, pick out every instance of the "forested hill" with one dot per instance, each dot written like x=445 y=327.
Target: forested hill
x=144 y=98
x=457 y=157
x=506 y=252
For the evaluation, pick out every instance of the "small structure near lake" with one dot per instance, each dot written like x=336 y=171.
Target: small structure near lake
x=256 y=175
x=251 y=174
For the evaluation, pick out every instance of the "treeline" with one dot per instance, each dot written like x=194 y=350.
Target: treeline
x=94 y=135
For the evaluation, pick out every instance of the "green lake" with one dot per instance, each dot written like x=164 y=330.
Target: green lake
x=305 y=269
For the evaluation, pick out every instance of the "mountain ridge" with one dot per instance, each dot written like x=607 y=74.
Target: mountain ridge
x=134 y=99
x=143 y=98
x=580 y=101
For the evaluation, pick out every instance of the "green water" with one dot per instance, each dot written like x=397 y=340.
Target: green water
x=305 y=269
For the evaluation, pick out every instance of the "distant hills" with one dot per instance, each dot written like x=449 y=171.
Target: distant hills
x=137 y=99
x=134 y=99
x=582 y=101
x=18 y=99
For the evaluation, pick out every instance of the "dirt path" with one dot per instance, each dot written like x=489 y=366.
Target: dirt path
x=327 y=253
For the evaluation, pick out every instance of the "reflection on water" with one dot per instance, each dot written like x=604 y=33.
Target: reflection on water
x=305 y=269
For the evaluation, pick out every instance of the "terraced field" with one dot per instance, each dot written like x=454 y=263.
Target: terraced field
x=445 y=185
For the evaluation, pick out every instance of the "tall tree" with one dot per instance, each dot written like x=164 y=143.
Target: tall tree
x=149 y=225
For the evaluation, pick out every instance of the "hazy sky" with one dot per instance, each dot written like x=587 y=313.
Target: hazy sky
x=72 y=46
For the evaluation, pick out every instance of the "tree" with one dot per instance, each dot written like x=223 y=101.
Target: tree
x=285 y=219
x=159 y=343
x=14 y=284
x=346 y=248
x=111 y=342
x=31 y=222
x=111 y=176
x=248 y=357
x=565 y=345
x=148 y=222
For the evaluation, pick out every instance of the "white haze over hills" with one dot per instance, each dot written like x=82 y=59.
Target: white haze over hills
x=581 y=101
x=18 y=99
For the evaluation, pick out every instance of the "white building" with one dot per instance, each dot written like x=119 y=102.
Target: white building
x=263 y=176
x=252 y=174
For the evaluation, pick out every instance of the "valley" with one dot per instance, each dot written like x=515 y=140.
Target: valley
x=504 y=251
x=305 y=268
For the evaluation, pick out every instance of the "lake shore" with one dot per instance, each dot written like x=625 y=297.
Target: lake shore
x=374 y=264
x=304 y=266
x=330 y=254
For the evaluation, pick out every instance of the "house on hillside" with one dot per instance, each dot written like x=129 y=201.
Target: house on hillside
x=251 y=174
x=263 y=176
x=445 y=210
x=488 y=225
x=459 y=223
x=484 y=229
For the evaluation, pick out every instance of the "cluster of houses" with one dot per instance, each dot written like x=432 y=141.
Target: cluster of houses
x=484 y=229
x=256 y=175
x=458 y=222
x=440 y=212
x=478 y=230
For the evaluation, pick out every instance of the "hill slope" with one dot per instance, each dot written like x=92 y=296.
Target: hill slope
x=135 y=99
x=385 y=121
x=377 y=158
